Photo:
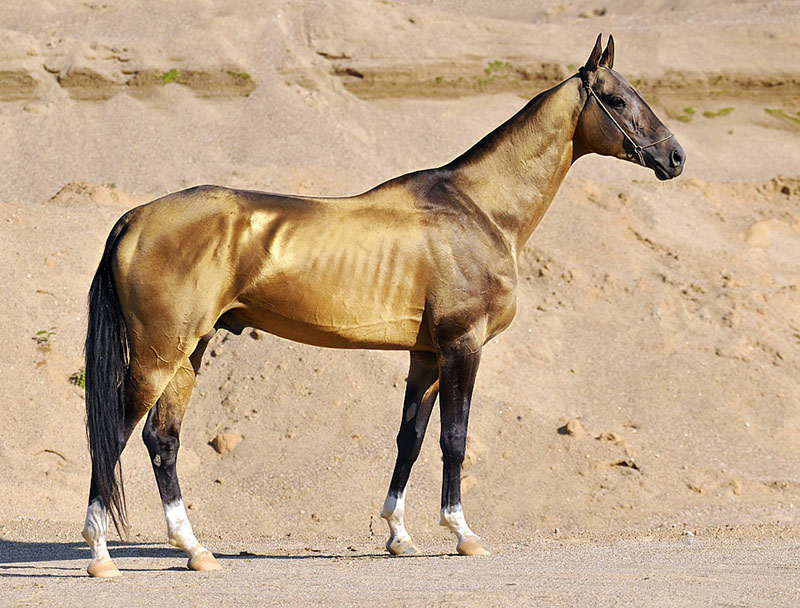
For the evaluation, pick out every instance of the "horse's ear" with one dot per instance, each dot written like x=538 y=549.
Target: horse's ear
x=594 y=58
x=607 y=59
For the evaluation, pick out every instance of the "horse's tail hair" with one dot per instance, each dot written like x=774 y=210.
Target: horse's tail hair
x=106 y=371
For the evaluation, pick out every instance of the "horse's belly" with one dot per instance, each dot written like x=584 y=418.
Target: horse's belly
x=347 y=310
x=398 y=334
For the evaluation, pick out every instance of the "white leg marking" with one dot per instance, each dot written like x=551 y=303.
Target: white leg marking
x=394 y=508
x=179 y=530
x=95 y=530
x=180 y=534
x=399 y=542
x=453 y=518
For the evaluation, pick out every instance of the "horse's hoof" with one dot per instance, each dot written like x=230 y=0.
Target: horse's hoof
x=402 y=547
x=102 y=568
x=472 y=546
x=203 y=562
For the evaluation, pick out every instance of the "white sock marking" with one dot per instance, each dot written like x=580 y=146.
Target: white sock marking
x=454 y=519
x=394 y=508
x=95 y=530
x=179 y=530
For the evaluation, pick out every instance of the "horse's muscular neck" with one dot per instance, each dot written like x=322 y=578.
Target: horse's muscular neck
x=513 y=173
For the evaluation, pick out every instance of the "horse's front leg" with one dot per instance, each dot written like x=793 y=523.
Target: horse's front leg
x=458 y=366
x=421 y=391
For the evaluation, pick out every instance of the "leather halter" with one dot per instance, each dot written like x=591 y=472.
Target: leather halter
x=637 y=149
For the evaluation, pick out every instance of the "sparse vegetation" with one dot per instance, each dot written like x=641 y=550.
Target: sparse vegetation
x=44 y=337
x=169 y=76
x=688 y=114
x=240 y=75
x=784 y=115
x=79 y=378
x=494 y=70
x=720 y=112
x=497 y=67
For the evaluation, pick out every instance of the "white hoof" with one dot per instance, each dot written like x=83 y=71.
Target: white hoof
x=472 y=546
x=103 y=568
x=203 y=562
x=401 y=546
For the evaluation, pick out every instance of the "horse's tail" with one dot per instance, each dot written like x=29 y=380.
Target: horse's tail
x=106 y=370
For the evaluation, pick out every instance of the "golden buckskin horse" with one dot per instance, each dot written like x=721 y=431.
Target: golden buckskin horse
x=426 y=262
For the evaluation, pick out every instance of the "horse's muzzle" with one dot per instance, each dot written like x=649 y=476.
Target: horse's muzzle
x=669 y=165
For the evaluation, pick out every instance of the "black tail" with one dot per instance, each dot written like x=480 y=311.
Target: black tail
x=106 y=369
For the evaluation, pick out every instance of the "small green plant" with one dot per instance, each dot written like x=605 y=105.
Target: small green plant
x=240 y=75
x=497 y=67
x=439 y=80
x=169 y=76
x=783 y=114
x=688 y=114
x=44 y=337
x=572 y=67
x=720 y=112
x=111 y=186
x=79 y=378
x=493 y=70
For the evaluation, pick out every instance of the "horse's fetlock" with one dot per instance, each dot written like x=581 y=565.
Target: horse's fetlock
x=88 y=534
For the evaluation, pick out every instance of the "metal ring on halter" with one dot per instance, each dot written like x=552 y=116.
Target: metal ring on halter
x=636 y=147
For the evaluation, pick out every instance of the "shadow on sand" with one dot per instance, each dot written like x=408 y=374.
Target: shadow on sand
x=34 y=559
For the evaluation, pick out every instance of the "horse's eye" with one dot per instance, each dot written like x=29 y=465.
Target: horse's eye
x=617 y=102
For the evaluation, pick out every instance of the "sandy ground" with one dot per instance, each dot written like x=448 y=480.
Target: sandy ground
x=664 y=317
x=687 y=572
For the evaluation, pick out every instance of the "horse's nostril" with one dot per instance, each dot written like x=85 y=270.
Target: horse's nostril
x=676 y=158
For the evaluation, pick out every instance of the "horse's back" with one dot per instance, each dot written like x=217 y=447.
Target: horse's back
x=331 y=272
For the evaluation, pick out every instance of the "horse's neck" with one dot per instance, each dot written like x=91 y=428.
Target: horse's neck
x=514 y=172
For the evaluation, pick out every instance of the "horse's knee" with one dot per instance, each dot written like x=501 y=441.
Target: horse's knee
x=453 y=443
x=409 y=439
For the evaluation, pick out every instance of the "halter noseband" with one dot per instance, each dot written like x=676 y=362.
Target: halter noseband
x=636 y=147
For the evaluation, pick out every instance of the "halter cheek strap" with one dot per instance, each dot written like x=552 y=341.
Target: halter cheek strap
x=637 y=149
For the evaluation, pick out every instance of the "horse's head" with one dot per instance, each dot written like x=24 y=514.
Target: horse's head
x=616 y=121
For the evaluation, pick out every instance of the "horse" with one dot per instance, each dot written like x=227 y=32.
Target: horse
x=425 y=262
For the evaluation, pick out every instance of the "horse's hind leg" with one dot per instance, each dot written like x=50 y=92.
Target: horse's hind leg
x=142 y=389
x=161 y=436
x=95 y=533
x=421 y=390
